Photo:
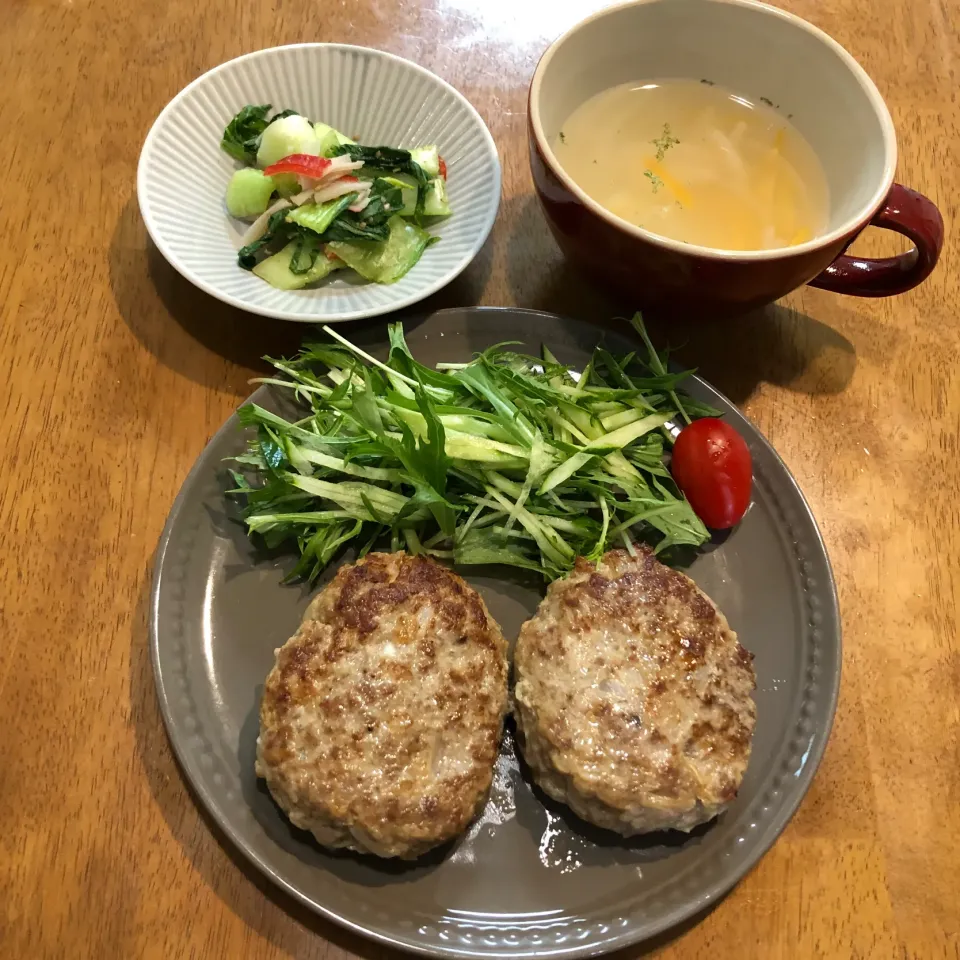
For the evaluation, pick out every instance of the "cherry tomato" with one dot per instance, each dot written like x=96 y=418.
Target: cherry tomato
x=443 y=168
x=711 y=464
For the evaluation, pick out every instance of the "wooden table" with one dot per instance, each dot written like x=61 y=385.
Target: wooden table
x=117 y=372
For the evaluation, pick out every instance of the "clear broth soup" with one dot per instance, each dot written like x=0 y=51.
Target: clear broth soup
x=691 y=161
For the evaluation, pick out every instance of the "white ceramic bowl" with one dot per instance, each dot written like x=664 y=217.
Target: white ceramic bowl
x=383 y=99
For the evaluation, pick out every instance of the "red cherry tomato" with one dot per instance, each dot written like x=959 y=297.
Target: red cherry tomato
x=711 y=464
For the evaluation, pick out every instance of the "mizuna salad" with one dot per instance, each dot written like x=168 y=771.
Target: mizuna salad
x=509 y=458
x=319 y=202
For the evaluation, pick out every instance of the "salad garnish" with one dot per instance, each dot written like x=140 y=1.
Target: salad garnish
x=509 y=458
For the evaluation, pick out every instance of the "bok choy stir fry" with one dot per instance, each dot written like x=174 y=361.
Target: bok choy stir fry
x=320 y=202
x=508 y=459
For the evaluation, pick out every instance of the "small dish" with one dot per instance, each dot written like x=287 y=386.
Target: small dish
x=381 y=98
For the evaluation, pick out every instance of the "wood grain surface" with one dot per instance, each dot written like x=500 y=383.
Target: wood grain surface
x=116 y=372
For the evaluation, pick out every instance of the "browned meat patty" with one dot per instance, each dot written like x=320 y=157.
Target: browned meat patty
x=633 y=697
x=380 y=722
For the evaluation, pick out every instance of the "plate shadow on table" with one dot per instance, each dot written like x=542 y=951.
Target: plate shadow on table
x=182 y=326
x=197 y=834
x=776 y=344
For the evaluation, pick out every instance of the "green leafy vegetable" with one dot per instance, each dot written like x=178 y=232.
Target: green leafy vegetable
x=317 y=217
x=371 y=223
x=407 y=185
x=241 y=138
x=389 y=159
x=292 y=251
x=278 y=269
x=508 y=459
x=351 y=226
x=386 y=199
x=387 y=261
x=306 y=250
x=276 y=228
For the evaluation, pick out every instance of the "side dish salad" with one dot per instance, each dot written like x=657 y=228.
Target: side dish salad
x=509 y=458
x=320 y=202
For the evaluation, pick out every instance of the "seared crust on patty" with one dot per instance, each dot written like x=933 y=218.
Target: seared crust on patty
x=633 y=696
x=381 y=720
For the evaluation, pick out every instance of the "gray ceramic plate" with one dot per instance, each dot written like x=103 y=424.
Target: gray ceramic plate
x=527 y=880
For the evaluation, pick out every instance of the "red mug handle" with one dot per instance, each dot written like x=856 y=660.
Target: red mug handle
x=909 y=213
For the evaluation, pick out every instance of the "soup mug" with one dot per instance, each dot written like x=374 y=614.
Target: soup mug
x=756 y=51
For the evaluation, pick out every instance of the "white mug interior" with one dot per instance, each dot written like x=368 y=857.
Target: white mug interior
x=752 y=49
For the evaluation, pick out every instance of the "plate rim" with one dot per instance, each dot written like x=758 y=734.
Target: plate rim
x=829 y=682
x=303 y=316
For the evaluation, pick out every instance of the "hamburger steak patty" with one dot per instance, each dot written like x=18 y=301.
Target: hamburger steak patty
x=380 y=721
x=633 y=696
